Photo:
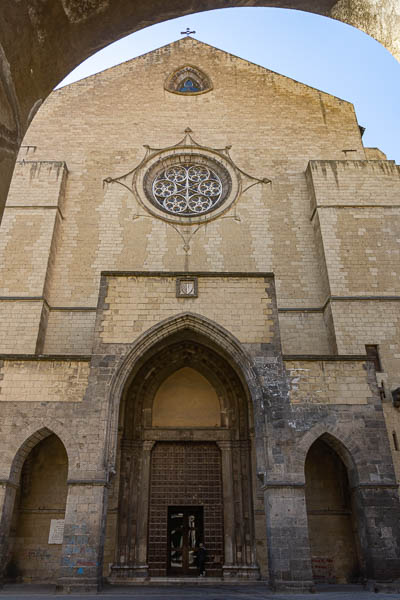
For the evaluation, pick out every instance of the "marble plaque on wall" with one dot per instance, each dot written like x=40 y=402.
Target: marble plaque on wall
x=56 y=532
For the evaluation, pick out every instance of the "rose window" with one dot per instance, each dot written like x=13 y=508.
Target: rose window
x=187 y=189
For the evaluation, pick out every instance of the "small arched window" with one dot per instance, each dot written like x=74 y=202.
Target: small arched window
x=188 y=80
x=189 y=86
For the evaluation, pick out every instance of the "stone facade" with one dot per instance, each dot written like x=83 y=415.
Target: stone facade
x=208 y=366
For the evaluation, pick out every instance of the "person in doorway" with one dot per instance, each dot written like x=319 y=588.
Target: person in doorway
x=201 y=556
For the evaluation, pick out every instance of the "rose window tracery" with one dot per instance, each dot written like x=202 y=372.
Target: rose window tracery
x=187 y=189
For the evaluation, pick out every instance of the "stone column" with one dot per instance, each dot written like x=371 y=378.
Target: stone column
x=82 y=551
x=250 y=569
x=141 y=568
x=229 y=567
x=289 y=556
x=7 y=499
x=125 y=533
x=376 y=511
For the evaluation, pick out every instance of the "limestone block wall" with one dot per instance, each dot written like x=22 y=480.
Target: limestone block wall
x=335 y=381
x=25 y=246
x=328 y=382
x=356 y=211
x=303 y=332
x=28 y=243
x=43 y=380
x=354 y=182
x=105 y=228
x=20 y=323
x=362 y=322
x=135 y=303
x=359 y=218
x=38 y=183
x=358 y=323
x=69 y=332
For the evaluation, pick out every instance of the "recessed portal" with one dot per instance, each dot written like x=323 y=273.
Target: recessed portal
x=330 y=517
x=185 y=467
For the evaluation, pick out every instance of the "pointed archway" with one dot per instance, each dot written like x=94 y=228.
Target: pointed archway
x=35 y=510
x=332 y=523
x=185 y=444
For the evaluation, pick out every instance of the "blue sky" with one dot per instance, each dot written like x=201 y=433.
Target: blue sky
x=318 y=51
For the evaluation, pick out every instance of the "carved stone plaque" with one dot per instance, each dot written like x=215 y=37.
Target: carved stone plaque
x=186 y=287
x=56 y=533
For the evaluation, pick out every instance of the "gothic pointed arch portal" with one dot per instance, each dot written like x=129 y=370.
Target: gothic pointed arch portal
x=185 y=455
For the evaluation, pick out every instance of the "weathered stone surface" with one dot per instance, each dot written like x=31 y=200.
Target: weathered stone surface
x=54 y=36
x=303 y=257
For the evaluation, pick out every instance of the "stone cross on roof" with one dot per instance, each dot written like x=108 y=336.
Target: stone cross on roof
x=187 y=32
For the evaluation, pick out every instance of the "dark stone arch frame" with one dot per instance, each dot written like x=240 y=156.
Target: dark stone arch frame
x=137 y=452
x=192 y=354
x=217 y=337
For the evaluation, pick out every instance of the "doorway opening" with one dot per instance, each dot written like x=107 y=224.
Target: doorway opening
x=331 y=523
x=186 y=508
x=185 y=533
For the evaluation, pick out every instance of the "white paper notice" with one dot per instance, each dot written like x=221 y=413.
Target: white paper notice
x=56 y=532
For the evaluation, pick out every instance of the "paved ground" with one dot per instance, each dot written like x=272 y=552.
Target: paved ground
x=196 y=592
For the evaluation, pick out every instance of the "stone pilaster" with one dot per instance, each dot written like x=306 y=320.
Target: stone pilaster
x=229 y=509
x=289 y=557
x=83 y=536
x=377 y=507
x=141 y=568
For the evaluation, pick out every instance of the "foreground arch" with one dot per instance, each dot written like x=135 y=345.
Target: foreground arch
x=54 y=36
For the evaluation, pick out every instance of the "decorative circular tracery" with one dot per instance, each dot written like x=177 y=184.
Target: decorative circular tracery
x=187 y=189
x=186 y=185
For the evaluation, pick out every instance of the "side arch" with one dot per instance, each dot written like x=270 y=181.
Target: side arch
x=29 y=443
x=185 y=325
x=34 y=497
x=336 y=525
x=343 y=445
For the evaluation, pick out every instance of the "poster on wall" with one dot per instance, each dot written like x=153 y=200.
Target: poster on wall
x=56 y=533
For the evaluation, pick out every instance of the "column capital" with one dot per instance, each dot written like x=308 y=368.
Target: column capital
x=147 y=445
x=224 y=444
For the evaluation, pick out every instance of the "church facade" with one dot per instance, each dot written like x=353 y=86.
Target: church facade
x=200 y=333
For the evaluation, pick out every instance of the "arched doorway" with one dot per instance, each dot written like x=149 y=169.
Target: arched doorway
x=331 y=520
x=185 y=456
x=36 y=533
